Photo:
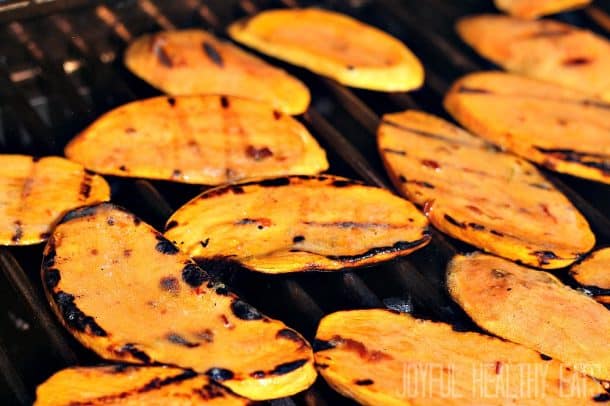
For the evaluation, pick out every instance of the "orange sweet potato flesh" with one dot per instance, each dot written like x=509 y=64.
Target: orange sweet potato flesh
x=132 y=386
x=194 y=62
x=379 y=357
x=546 y=50
x=333 y=45
x=537 y=8
x=533 y=308
x=507 y=208
x=197 y=139
x=594 y=274
x=297 y=223
x=562 y=129
x=36 y=192
x=128 y=294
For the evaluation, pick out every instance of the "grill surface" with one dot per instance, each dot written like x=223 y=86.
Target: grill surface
x=60 y=71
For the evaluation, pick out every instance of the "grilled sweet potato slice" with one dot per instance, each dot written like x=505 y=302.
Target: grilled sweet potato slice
x=379 y=357
x=507 y=208
x=193 y=61
x=132 y=385
x=537 y=8
x=333 y=45
x=35 y=192
x=561 y=129
x=127 y=293
x=594 y=273
x=545 y=50
x=197 y=139
x=533 y=308
x=297 y=223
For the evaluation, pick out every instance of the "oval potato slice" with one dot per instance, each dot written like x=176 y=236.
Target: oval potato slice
x=561 y=129
x=188 y=62
x=297 y=223
x=594 y=274
x=127 y=293
x=537 y=8
x=132 y=386
x=507 y=208
x=533 y=308
x=36 y=192
x=333 y=45
x=379 y=357
x=197 y=139
x=545 y=50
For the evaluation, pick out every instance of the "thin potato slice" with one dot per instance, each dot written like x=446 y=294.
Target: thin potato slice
x=561 y=129
x=197 y=139
x=537 y=8
x=507 y=208
x=129 y=294
x=594 y=274
x=297 y=223
x=36 y=192
x=379 y=357
x=533 y=308
x=333 y=45
x=545 y=50
x=132 y=386
x=194 y=62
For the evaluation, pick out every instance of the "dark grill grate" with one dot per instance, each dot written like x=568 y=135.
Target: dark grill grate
x=59 y=71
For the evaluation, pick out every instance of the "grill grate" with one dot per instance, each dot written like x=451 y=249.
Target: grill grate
x=59 y=71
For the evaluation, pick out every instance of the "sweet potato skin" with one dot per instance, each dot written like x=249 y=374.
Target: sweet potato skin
x=131 y=386
x=546 y=50
x=379 y=357
x=507 y=208
x=561 y=129
x=533 y=308
x=332 y=45
x=129 y=294
x=297 y=223
x=194 y=62
x=197 y=139
x=35 y=192
x=530 y=9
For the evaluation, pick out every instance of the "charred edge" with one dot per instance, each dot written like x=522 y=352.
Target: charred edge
x=84 y=211
x=453 y=221
x=579 y=61
x=85 y=185
x=205 y=242
x=399 y=246
x=164 y=246
x=219 y=374
x=291 y=335
x=132 y=350
x=75 y=318
x=288 y=367
x=170 y=284
x=178 y=339
x=244 y=311
x=472 y=90
x=322 y=345
x=394 y=151
x=194 y=276
x=544 y=257
x=421 y=183
x=18 y=232
x=545 y=357
x=171 y=225
x=48 y=260
x=602 y=397
x=258 y=154
x=364 y=382
x=402 y=179
x=298 y=239
x=344 y=183
x=218 y=265
x=569 y=155
x=51 y=277
x=277 y=182
x=213 y=54
x=224 y=102
x=320 y=365
x=162 y=55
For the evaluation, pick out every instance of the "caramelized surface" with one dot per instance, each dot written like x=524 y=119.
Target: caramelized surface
x=333 y=45
x=197 y=139
x=297 y=223
x=129 y=294
x=538 y=8
x=188 y=62
x=490 y=199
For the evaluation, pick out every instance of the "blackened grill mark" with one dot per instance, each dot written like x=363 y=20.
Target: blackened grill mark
x=205 y=242
x=178 y=339
x=339 y=183
x=495 y=232
x=602 y=397
x=472 y=90
x=171 y=225
x=244 y=311
x=421 y=183
x=544 y=257
x=131 y=349
x=258 y=154
x=213 y=54
x=85 y=185
x=291 y=335
x=579 y=61
x=74 y=317
x=194 y=276
x=51 y=277
x=364 y=382
x=288 y=367
x=224 y=102
x=297 y=239
x=219 y=374
x=397 y=247
x=170 y=284
x=160 y=53
x=453 y=221
x=275 y=182
x=18 y=234
x=394 y=151
x=602 y=163
x=545 y=357
x=164 y=246
x=476 y=226
x=321 y=345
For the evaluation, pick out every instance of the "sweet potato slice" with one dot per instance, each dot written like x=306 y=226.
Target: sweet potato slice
x=131 y=386
x=507 y=208
x=536 y=8
x=561 y=129
x=189 y=62
x=533 y=308
x=35 y=192
x=297 y=223
x=333 y=45
x=197 y=139
x=379 y=357
x=594 y=274
x=545 y=50
x=127 y=293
